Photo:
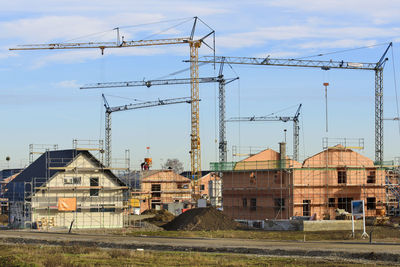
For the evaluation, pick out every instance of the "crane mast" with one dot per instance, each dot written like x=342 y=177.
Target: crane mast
x=326 y=65
x=194 y=45
x=147 y=104
x=296 y=127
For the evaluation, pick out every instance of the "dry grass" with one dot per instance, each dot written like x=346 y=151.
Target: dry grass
x=31 y=255
x=380 y=233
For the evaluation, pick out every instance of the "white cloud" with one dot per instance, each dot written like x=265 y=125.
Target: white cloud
x=67 y=84
x=379 y=12
x=343 y=37
x=50 y=28
x=83 y=55
x=278 y=54
x=344 y=43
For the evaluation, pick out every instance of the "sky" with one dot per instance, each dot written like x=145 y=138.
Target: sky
x=41 y=103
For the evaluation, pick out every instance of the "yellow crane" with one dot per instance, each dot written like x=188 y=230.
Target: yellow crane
x=194 y=44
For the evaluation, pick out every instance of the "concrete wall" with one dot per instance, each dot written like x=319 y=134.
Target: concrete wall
x=311 y=226
x=331 y=225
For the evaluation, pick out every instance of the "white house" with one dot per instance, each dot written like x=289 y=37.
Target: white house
x=66 y=187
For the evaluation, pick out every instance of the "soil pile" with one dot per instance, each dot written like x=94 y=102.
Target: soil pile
x=161 y=216
x=202 y=219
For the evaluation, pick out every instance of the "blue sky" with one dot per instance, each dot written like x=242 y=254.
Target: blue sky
x=41 y=102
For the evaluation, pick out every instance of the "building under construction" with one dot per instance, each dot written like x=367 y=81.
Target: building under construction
x=269 y=185
x=66 y=188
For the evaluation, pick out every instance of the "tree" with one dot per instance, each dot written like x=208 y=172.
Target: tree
x=173 y=164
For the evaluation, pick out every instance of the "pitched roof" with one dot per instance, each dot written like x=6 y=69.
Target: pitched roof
x=266 y=159
x=339 y=156
x=169 y=175
x=42 y=168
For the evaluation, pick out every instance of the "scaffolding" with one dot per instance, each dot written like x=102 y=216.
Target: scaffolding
x=36 y=150
x=96 y=147
x=75 y=192
x=281 y=188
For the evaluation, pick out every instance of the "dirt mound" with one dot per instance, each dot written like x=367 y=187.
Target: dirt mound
x=161 y=216
x=202 y=219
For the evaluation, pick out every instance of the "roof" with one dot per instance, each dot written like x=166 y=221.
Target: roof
x=338 y=156
x=163 y=175
x=266 y=159
x=41 y=168
x=188 y=174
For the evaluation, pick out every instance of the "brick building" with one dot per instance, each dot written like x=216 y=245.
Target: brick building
x=269 y=185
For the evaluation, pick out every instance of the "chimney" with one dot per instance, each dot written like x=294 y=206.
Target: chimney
x=282 y=155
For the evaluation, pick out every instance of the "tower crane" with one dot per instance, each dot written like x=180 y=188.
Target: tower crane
x=194 y=44
x=148 y=83
x=326 y=65
x=147 y=104
x=296 y=127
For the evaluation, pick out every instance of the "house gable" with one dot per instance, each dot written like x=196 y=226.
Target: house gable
x=338 y=156
x=50 y=163
x=165 y=175
x=266 y=159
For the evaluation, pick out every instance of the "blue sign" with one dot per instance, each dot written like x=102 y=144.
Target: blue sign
x=357 y=207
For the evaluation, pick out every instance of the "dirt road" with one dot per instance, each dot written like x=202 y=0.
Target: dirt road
x=388 y=252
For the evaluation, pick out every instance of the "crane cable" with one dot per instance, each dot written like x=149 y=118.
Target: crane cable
x=343 y=51
x=131 y=26
x=303 y=135
x=155 y=22
x=216 y=120
x=281 y=110
x=167 y=29
x=395 y=89
x=128 y=98
x=101 y=119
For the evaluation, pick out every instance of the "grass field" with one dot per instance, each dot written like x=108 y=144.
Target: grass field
x=48 y=256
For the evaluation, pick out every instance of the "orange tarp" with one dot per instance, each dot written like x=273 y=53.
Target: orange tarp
x=67 y=204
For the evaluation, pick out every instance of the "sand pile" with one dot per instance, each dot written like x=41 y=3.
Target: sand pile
x=202 y=219
x=161 y=216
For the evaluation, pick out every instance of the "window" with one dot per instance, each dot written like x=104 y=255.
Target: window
x=202 y=187
x=94 y=182
x=97 y=209
x=332 y=203
x=342 y=176
x=185 y=186
x=244 y=202
x=72 y=180
x=306 y=207
x=371 y=177
x=279 y=203
x=179 y=186
x=156 y=187
x=156 y=190
x=371 y=203
x=253 y=204
x=344 y=203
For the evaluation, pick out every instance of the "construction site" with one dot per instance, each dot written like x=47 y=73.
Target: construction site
x=86 y=187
